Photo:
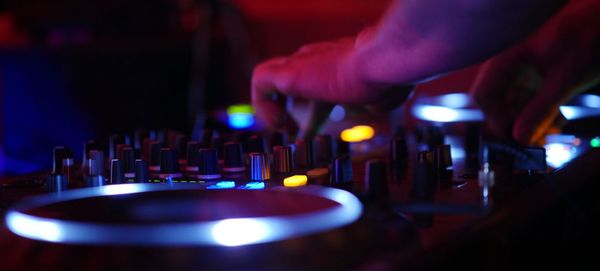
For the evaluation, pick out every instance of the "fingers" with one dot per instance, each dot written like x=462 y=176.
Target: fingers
x=268 y=101
x=503 y=85
x=317 y=115
x=540 y=113
x=392 y=98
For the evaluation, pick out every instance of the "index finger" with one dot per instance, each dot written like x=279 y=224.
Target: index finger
x=268 y=98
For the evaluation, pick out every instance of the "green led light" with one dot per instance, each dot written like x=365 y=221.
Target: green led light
x=595 y=142
x=240 y=109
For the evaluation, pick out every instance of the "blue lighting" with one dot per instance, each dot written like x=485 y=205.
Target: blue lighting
x=221 y=232
x=455 y=100
x=222 y=185
x=240 y=120
x=590 y=100
x=446 y=114
x=254 y=186
x=337 y=113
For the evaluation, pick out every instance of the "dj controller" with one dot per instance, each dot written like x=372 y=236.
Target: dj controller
x=436 y=195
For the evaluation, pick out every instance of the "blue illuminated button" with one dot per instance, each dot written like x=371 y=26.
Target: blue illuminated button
x=222 y=185
x=253 y=186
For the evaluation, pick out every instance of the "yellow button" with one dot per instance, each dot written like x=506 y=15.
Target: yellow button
x=358 y=133
x=295 y=181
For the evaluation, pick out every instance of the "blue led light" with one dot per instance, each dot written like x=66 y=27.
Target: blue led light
x=222 y=185
x=337 y=113
x=240 y=120
x=254 y=186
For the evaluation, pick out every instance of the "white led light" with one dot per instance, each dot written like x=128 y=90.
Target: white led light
x=32 y=227
x=444 y=114
x=558 y=154
x=455 y=100
x=240 y=231
x=120 y=189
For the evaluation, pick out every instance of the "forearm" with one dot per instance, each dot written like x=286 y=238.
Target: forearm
x=418 y=39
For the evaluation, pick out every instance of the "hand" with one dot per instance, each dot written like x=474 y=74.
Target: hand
x=521 y=89
x=324 y=73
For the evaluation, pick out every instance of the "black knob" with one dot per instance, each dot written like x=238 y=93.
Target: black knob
x=243 y=138
x=94 y=165
x=180 y=145
x=423 y=181
x=233 y=160
x=128 y=162
x=443 y=157
x=282 y=159
x=154 y=150
x=192 y=155
x=141 y=171
x=87 y=147
x=113 y=141
x=67 y=168
x=443 y=162
x=207 y=137
x=472 y=141
x=116 y=172
x=256 y=143
x=208 y=164
x=57 y=183
x=120 y=148
x=376 y=179
x=342 y=147
x=139 y=135
x=342 y=170
x=323 y=150
x=94 y=169
x=398 y=158
x=169 y=164
x=218 y=143
x=304 y=155
x=58 y=155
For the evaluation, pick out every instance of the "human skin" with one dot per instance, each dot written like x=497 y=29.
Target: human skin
x=415 y=40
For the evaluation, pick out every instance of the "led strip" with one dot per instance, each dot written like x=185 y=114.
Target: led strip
x=225 y=232
x=454 y=107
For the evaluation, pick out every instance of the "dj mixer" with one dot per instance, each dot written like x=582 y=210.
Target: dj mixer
x=436 y=195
